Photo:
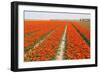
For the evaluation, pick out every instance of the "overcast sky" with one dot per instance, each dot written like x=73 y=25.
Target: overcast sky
x=54 y=15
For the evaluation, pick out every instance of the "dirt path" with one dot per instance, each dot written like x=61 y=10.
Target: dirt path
x=61 y=46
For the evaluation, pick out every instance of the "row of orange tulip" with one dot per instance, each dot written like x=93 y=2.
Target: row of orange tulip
x=76 y=47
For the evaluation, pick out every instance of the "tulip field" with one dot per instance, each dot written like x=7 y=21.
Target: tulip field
x=47 y=40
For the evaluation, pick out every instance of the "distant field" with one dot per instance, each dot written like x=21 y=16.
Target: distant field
x=46 y=40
